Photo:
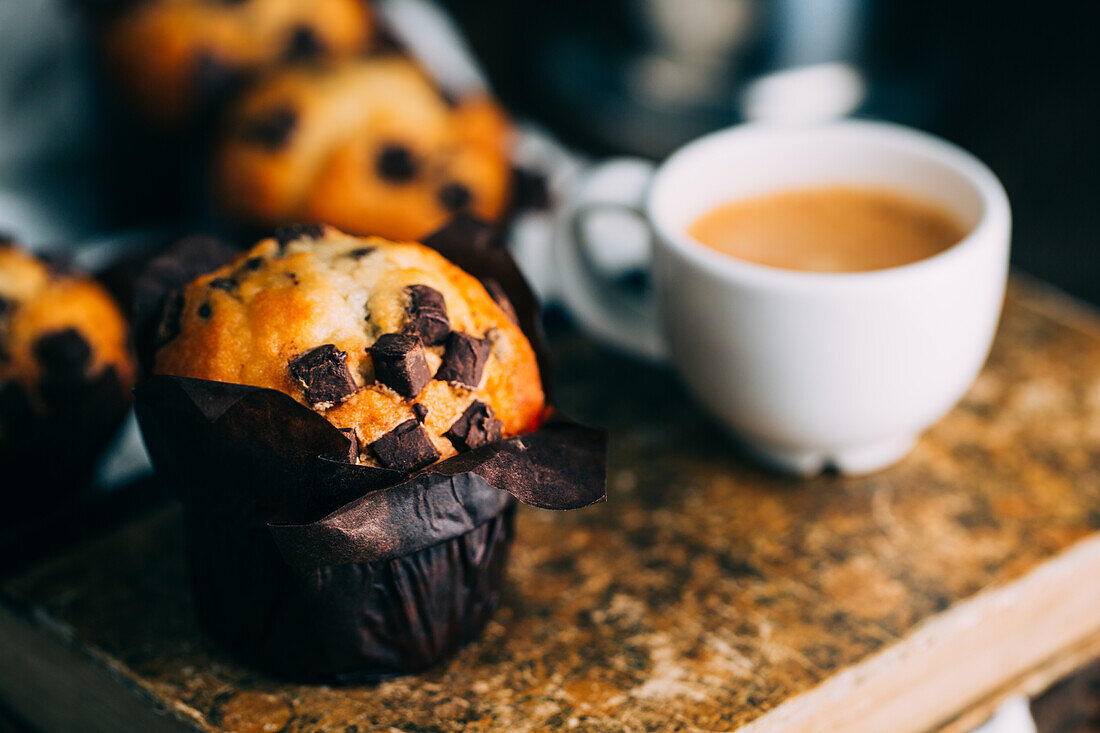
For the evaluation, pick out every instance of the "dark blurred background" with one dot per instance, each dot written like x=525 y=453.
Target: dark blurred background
x=1017 y=83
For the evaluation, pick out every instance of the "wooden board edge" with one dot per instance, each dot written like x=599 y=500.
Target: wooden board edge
x=1031 y=685
x=52 y=684
x=957 y=655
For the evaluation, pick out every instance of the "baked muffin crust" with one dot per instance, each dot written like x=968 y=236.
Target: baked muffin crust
x=170 y=56
x=58 y=333
x=362 y=330
x=367 y=145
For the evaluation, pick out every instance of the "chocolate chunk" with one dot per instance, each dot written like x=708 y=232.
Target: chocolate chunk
x=63 y=354
x=352 y=453
x=294 y=232
x=360 y=252
x=529 y=190
x=323 y=374
x=223 y=283
x=252 y=264
x=15 y=404
x=215 y=79
x=205 y=311
x=272 y=130
x=476 y=427
x=420 y=410
x=396 y=164
x=427 y=314
x=304 y=44
x=496 y=292
x=6 y=306
x=464 y=360
x=399 y=363
x=450 y=98
x=405 y=448
x=464 y=232
x=60 y=264
x=454 y=196
x=169 y=325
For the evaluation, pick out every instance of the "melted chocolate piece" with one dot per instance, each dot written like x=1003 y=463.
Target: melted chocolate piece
x=464 y=361
x=426 y=314
x=272 y=131
x=224 y=283
x=529 y=190
x=294 y=232
x=496 y=292
x=59 y=263
x=450 y=98
x=420 y=410
x=361 y=252
x=304 y=44
x=169 y=325
x=63 y=354
x=477 y=426
x=405 y=448
x=253 y=264
x=454 y=196
x=215 y=79
x=6 y=306
x=396 y=164
x=323 y=374
x=399 y=363
x=205 y=311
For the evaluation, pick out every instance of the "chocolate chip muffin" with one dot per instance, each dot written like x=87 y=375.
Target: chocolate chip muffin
x=367 y=145
x=65 y=367
x=174 y=56
x=403 y=351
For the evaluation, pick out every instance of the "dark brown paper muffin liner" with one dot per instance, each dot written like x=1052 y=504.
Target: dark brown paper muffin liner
x=296 y=578
x=52 y=454
x=345 y=622
x=318 y=569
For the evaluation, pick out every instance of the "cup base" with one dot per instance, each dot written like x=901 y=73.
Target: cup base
x=853 y=461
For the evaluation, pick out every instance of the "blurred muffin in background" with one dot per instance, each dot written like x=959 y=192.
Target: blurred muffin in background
x=66 y=371
x=406 y=353
x=368 y=145
x=173 y=58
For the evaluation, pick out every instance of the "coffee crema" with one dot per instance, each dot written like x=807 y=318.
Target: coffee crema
x=837 y=228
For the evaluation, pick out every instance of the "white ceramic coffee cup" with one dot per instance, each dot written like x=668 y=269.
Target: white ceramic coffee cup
x=810 y=369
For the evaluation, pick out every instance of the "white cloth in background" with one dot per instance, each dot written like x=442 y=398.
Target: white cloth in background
x=46 y=127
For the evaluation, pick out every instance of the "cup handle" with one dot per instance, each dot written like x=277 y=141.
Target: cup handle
x=604 y=308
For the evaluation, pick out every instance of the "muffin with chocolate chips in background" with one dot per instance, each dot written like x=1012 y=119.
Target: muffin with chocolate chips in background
x=393 y=344
x=174 y=58
x=349 y=422
x=370 y=146
x=66 y=372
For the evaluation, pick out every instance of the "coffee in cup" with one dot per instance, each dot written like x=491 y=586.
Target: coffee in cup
x=833 y=228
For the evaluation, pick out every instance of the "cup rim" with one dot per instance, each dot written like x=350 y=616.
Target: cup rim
x=995 y=212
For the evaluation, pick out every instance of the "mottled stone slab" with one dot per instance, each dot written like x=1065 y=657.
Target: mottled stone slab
x=705 y=593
